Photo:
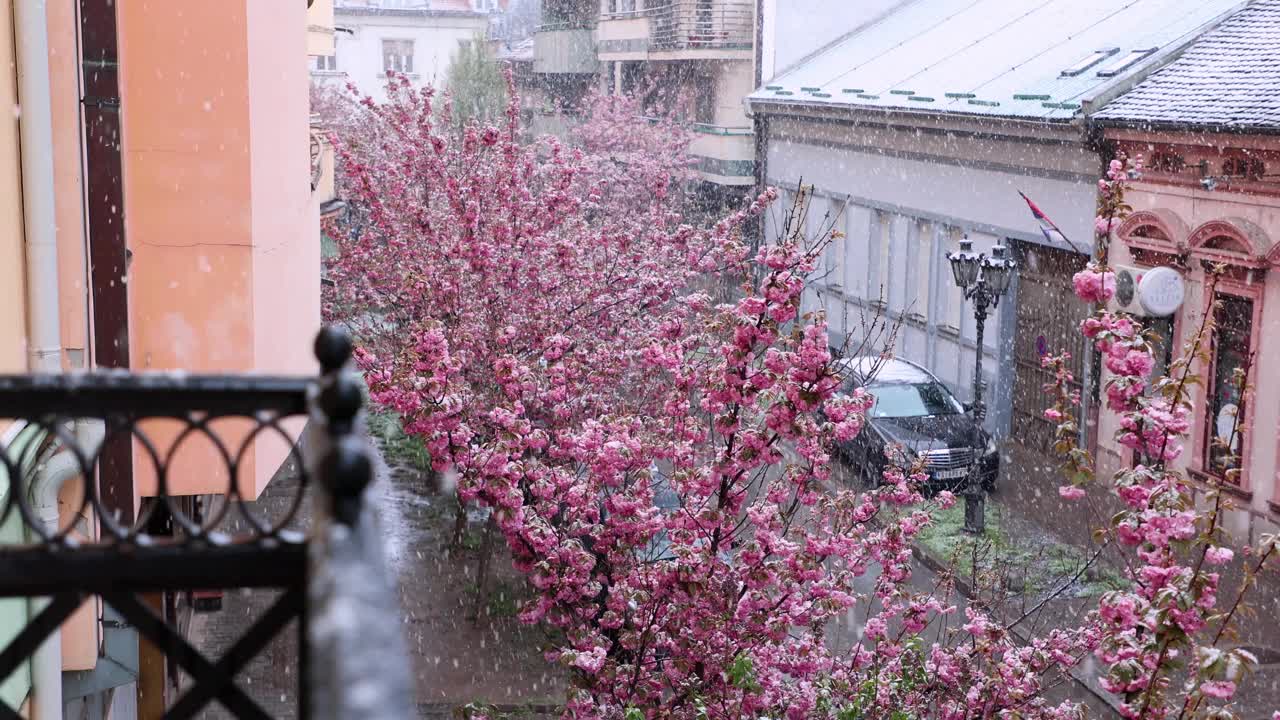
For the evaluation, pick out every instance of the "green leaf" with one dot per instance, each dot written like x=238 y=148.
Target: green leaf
x=742 y=673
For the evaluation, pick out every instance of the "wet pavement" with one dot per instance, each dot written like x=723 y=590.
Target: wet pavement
x=457 y=657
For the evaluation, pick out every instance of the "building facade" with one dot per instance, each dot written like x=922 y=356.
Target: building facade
x=163 y=215
x=417 y=38
x=921 y=127
x=1208 y=207
x=699 y=52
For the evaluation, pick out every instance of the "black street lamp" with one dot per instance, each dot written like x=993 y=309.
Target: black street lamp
x=984 y=280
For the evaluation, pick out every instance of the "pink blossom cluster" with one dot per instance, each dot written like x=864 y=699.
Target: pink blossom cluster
x=1095 y=284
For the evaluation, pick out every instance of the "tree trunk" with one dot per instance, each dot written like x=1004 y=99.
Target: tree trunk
x=482 y=568
x=459 y=526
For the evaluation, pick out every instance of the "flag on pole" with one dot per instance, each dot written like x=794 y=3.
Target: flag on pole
x=1051 y=231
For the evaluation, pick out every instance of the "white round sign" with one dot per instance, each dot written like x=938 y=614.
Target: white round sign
x=1161 y=291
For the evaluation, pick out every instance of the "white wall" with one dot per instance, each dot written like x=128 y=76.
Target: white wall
x=901 y=215
x=436 y=39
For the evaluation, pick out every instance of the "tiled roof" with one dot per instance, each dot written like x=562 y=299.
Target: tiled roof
x=994 y=57
x=1229 y=78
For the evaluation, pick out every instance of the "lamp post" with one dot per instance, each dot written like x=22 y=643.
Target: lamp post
x=984 y=280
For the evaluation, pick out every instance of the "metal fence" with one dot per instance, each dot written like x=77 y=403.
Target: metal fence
x=352 y=660
x=708 y=24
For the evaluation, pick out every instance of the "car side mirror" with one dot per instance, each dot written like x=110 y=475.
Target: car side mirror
x=968 y=407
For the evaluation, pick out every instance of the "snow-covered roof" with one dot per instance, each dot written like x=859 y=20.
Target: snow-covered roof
x=1228 y=79
x=1043 y=59
x=516 y=52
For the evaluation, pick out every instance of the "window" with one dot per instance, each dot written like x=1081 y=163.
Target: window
x=1089 y=61
x=1249 y=168
x=1167 y=162
x=1124 y=62
x=1231 y=356
x=324 y=63
x=904 y=401
x=397 y=56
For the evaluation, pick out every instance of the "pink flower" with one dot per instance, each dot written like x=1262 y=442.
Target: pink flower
x=1218 y=555
x=1102 y=226
x=1221 y=689
x=1092 y=285
x=1071 y=492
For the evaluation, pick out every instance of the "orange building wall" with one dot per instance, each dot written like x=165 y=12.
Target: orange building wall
x=64 y=73
x=286 y=213
x=13 y=288
x=218 y=209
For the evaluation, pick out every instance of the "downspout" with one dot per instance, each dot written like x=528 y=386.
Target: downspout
x=31 y=36
x=46 y=663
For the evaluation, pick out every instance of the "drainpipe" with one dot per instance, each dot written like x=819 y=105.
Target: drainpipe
x=31 y=34
x=44 y=342
x=46 y=663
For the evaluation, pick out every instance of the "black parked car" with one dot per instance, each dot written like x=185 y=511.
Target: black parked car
x=917 y=415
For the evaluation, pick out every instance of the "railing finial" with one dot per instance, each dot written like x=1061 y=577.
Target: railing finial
x=332 y=348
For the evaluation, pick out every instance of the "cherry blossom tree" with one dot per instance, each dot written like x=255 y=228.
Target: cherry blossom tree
x=1161 y=639
x=659 y=463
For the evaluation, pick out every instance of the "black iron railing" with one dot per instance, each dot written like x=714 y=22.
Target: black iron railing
x=331 y=573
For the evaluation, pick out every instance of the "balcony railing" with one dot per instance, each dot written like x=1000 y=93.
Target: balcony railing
x=554 y=25
x=351 y=660
x=702 y=24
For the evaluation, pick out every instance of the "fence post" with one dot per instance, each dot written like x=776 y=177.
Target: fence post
x=355 y=660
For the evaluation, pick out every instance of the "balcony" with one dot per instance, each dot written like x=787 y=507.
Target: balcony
x=560 y=48
x=679 y=30
x=623 y=36
x=724 y=155
x=702 y=28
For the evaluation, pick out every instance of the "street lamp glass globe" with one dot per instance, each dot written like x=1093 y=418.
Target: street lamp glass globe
x=965 y=265
x=998 y=271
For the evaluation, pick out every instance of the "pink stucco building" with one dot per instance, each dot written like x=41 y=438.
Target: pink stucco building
x=1209 y=199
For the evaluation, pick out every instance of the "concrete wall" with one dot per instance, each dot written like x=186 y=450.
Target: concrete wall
x=733 y=82
x=320 y=33
x=435 y=39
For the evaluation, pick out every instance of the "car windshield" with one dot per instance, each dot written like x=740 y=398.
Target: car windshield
x=913 y=400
